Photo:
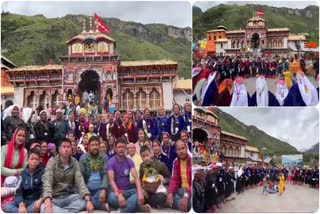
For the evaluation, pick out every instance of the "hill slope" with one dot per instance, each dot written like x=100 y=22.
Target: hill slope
x=30 y=40
x=297 y=20
x=313 y=149
x=255 y=136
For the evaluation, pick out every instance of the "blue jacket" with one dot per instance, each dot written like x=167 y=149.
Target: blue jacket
x=30 y=188
x=162 y=126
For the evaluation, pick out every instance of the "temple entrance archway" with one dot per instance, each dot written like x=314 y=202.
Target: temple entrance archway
x=255 y=41
x=90 y=81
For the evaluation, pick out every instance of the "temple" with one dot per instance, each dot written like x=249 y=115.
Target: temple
x=208 y=132
x=254 y=40
x=92 y=65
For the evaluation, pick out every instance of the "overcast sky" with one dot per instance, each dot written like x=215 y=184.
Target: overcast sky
x=171 y=13
x=297 y=126
x=204 y=5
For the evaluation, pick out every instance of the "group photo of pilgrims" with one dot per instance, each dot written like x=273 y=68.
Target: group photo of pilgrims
x=218 y=183
x=238 y=81
x=80 y=156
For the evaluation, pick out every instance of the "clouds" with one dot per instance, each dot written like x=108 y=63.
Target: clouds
x=204 y=5
x=171 y=13
x=297 y=126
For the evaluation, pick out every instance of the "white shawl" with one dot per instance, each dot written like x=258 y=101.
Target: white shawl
x=262 y=92
x=308 y=92
x=239 y=95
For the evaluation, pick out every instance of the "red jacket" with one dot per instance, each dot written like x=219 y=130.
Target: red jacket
x=175 y=182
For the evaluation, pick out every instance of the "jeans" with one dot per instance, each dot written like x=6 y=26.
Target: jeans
x=13 y=207
x=177 y=199
x=131 y=201
x=95 y=198
x=67 y=203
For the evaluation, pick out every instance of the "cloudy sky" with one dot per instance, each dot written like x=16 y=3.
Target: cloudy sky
x=170 y=13
x=204 y=5
x=297 y=126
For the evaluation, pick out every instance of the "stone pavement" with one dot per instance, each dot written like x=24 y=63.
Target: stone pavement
x=250 y=84
x=294 y=199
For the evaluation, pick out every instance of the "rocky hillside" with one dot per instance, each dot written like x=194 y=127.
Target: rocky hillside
x=27 y=40
x=255 y=136
x=234 y=17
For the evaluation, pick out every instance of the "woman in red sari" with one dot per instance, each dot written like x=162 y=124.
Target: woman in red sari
x=14 y=158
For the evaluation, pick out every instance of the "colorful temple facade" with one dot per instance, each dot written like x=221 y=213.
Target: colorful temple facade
x=92 y=64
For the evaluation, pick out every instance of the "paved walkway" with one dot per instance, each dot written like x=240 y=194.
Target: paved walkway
x=294 y=199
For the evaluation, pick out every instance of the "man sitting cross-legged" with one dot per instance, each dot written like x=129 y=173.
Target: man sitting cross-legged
x=126 y=197
x=179 y=191
x=93 y=166
x=62 y=182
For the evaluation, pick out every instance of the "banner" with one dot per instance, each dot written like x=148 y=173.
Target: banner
x=292 y=160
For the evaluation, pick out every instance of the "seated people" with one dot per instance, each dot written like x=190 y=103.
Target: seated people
x=64 y=189
x=28 y=195
x=152 y=174
x=92 y=166
x=179 y=191
x=123 y=195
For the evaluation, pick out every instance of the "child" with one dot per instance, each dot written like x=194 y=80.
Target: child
x=265 y=186
x=27 y=198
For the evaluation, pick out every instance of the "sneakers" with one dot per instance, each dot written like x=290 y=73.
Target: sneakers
x=146 y=208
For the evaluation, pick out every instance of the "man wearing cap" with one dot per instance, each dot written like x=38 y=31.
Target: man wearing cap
x=59 y=127
x=42 y=128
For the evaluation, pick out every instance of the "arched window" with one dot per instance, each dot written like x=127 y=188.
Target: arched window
x=43 y=99
x=141 y=99
x=242 y=44
x=55 y=99
x=275 y=44
x=233 y=44
x=154 y=99
x=31 y=100
x=127 y=99
x=237 y=44
x=280 y=44
x=270 y=44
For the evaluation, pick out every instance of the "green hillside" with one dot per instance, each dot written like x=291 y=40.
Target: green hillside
x=234 y=17
x=256 y=137
x=34 y=40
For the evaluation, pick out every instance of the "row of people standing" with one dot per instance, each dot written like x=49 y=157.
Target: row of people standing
x=104 y=125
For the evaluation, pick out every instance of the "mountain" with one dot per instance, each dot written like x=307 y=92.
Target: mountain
x=313 y=149
x=196 y=11
x=34 y=40
x=255 y=136
x=234 y=17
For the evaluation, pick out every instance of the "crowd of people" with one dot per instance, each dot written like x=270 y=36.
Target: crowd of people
x=219 y=182
x=75 y=161
x=220 y=81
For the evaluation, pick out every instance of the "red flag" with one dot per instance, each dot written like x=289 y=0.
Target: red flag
x=260 y=12
x=100 y=25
